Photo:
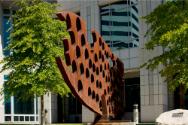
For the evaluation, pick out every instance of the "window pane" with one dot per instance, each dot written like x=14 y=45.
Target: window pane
x=21 y=107
x=27 y=118
x=7 y=100
x=31 y=118
x=6 y=34
x=7 y=106
x=6 y=11
x=7 y=118
x=15 y=118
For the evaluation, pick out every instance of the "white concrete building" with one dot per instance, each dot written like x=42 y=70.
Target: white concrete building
x=120 y=25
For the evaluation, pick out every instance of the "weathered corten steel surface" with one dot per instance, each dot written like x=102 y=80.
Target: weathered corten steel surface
x=92 y=72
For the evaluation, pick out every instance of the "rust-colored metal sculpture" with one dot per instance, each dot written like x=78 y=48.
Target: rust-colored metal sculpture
x=87 y=70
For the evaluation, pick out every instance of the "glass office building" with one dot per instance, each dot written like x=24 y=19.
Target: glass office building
x=119 y=24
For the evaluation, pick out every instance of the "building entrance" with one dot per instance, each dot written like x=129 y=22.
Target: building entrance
x=132 y=96
x=69 y=109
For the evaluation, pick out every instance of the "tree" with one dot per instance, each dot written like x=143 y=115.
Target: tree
x=35 y=40
x=169 y=29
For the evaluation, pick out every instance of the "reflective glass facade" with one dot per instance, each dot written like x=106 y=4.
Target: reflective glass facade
x=119 y=24
x=6 y=32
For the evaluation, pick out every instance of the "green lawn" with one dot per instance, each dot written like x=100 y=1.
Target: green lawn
x=146 y=124
x=51 y=124
x=69 y=124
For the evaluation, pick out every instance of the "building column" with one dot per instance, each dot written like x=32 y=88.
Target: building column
x=154 y=95
x=153 y=89
x=1 y=74
x=54 y=108
x=12 y=108
x=87 y=115
x=2 y=107
x=47 y=107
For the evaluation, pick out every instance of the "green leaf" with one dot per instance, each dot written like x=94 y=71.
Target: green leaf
x=34 y=44
x=169 y=29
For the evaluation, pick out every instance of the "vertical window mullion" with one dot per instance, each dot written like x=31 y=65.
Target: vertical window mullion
x=12 y=108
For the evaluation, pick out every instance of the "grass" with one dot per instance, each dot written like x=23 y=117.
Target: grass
x=69 y=124
x=50 y=124
x=146 y=124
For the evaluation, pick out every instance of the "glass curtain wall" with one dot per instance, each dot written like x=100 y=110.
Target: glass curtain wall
x=119 y=24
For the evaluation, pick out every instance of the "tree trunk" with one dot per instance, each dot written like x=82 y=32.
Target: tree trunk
x=42 y=111
x=181 y=96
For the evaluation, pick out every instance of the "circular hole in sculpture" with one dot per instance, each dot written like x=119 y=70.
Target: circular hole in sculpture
x=78 y=54
x=94 y=37
x=80 y=86
x=103 y=74
x=87 y=73
x=81 y=68
x=72 y=36
x=78 y=24
x=103 y=46
x=105 y=92
x=90 y=63
x=93 y=94
x=74 y=67
x=102 y=58
x=93 y=67
x=97 y=83
x=89 y=91
x=100 y=41
x=92 y=78
x=101 y=68
x=96 y=58
x=100 y=54
x=97 y=97
x=97 y=71
x=67 y=59
x=100 y=105
x=107 y=55
x=68 y=21
x=86 y=54
x=83 y=40
x=66 y=45
x=100 y=85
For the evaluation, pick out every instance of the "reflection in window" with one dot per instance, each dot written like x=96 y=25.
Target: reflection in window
x=26 y=107
x=6 y=34
x=7 y=100
x=7 y=106
x=119 y=24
